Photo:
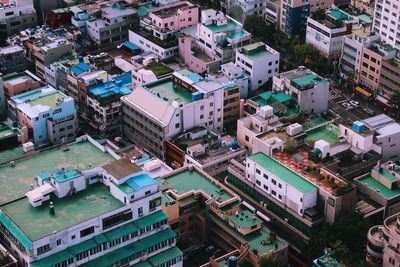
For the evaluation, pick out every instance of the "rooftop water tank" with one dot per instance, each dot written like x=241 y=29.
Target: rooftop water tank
x=358 y=126
x=232 y=261
x=234 y=144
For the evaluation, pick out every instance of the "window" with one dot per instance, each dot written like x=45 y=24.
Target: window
x=43 y=249
x=258 y=182
x=279 y=185
x=153 y=204
x=246 y=138
x=273 y=192
x=258 y=171
x=265 y=176
x=140 y=211
x=201 y=116
x=265 y=187
x=87 y=231
x=73 y=237
x=273 y=181
x=280 y=197
x=57 y=111
x=117 y=218
x=177 y=125
x=58 y=242
x=201 y=107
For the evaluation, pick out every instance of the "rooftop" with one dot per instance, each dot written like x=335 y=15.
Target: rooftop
x=15 y=181
x=144 y=9
x=121 y=168
x=186 y=181
x=169 y=92
x=245 y=219
x=168 y=11
x=329 y=133
x=230 y=25
x=308 y=80
x=17 y=78
x=158 y=68
x=37 y=222
x=8 y=131
x=256 y=50
x=375 y=185
x=283 y=172
x=327 y=261
x=119 y=85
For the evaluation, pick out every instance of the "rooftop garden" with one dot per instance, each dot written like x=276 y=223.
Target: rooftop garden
x=159 y=68
x=166 y=43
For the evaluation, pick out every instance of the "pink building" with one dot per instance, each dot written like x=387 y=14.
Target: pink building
x=17 y=83
x=175 y=16
x=194 y=57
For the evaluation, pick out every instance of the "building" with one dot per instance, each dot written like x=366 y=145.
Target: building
x=175 y=16
x=371 y=64
x=326 y=32
x=112 y=28
x=293 y=16
x=12 y=135
x=49 y=115
x=382 y=242
x=122 y=224
x=16 y=16
x=258 y=61
x=145 y=69
x=189 y=190
x=385 y=22
x=204 y=149
x=104 y=104
x=79 y=17
x=17 y=83
x=3 y=103
x=183 y=101
x=58 y=17
x=351 y=58
x=272 y=12
x=307 y=88
x=326 y=260
x=12 y=59
x=239 y=9
x=220 y=35
x=366 y=6
x=389 y=80
x=381 y=186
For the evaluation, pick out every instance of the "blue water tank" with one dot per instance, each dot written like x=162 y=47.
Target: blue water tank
x=234 y=144
x=358 y=126
x=197 y=96
x=232 y=261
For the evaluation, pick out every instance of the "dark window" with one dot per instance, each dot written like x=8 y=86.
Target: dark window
x=117 y=219
x=87 y=231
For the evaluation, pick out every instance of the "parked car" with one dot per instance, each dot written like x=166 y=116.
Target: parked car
x=347 y=106
x=354 y=103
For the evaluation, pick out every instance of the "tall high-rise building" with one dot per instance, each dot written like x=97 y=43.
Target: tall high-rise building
x=386 y=23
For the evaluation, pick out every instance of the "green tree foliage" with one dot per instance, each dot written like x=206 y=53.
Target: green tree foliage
x=394 y=103
x=346 y=237
x=259 y=29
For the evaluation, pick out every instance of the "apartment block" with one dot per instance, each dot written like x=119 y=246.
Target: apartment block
x=16 y=16
x=122 y=222
x=383 y=241
x=241 y=8
x=389 y=80
x=386 y=22
x=371 y=64
x=12 y=59
x=293 y=16
x=113 y=26
x=104 y=104
x=184 y=100
x=307 y=88
x=326 y=33
x=272 y=12
x=258 y=61
x=175 y=16
x=49 y=115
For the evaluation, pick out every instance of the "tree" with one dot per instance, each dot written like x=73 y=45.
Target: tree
x=269 y=260
x=394 y=103
x=346 y=237
x=259 y=29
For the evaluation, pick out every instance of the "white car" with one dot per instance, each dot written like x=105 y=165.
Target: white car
x=347 y=105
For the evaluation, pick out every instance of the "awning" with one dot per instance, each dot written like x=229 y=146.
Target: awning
x=363 y=91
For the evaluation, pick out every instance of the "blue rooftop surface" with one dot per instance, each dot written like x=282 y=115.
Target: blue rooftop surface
x=195 y=77
x=140 y=181
x=120 y=85
x=80 y=68
x=131 y=46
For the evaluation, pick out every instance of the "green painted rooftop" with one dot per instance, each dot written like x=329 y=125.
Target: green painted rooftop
x=144 y=9
x=8 y=131
x=169 y=92
x=283 y=173
x=186 y=181
x=328 y=261
x=269 y=98
x=309 y=79
x=256 y=50
x=21 y=77
x=237 y=34
x=338 y=14
x=245 y=219
x=383 y=190
x=37 y=222
x=390 y=177
x=165 y=256
x=48 y=100
x=10 y=154
x=227 y=27
x=67 y=175
x=15 y=181
x=332 y=137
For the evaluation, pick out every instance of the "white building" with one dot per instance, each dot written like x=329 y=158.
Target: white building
x=258 y=61
x=242 y=8
x=272 y=12
x=386 y=22
x=281 y=183
x=307 y=88
x=114 y=216
x=350 y=62
x=160 y=110
x=327 y=33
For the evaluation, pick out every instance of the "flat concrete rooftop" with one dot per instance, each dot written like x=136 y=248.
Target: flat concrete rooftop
x=15 y=181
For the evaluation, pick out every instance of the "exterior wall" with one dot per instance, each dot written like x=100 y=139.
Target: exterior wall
x=318 y=5
x=44 y=58
x=12 y=60
x=293 y=16
x=285 y=193
x=370 y=70
x=260 y=69
x=148 y=46
x=183 y=18
x=272 y=12
x=389 y=145
x=65 y=129
x=3 y=104
x=386 y=23
x=15 y=89
x=366 y=6
x=252 y=7
x=231 y=106
x=363 y=142
x=389 y=80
